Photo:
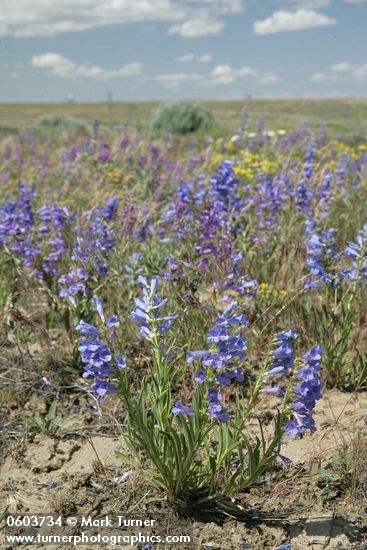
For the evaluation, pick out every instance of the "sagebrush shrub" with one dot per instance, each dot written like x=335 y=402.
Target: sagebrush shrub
x=183 y=118
x=54 y=122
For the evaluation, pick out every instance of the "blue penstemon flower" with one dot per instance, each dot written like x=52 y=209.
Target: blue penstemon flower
x=147 y=311
x=321 y=256
x=99 y=359
x=299 y=381
x=305 y=393
x=357 y=252
x=227 y=345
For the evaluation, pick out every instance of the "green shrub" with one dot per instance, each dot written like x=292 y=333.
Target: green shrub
x=8 y=130
x=53 y=122
x=182 y=118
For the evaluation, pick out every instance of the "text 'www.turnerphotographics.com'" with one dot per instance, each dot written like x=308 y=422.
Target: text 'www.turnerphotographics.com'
x=117 y=529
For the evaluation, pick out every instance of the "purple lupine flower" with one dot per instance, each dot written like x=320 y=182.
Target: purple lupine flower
x=104 y=152
x=214 y=238
x=224 y=189
x=95 y=239
x=237 y=280
x=124 y=142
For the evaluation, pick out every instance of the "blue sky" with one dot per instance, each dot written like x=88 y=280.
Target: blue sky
x=181 y=49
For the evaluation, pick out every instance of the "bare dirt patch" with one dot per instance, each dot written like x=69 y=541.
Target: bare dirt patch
x=75 y=474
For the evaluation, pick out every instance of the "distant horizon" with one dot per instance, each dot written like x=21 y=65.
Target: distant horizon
x=204 y=100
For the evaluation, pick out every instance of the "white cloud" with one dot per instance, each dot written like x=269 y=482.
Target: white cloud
x=63 y=67
x=342 y=67
x=358 y=72
x=224 y=74
x=172 y=80
x=195 y=28
x=205 y=58
x=186 y=58
x=25 y=18
x=310 y=4
x=268 y=78
x=50 y=17
x=189 y=57
x=284 y=21
x=320 y=77
x=345 y=69
x=226 y=6
x=220 y=75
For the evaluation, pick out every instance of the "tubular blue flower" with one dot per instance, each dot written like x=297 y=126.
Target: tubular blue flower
x=87 y=329
x=281 y=360
x=283 y=354
x=105 y=370
x=113 y=322
x=287 y=461
x=215 y=409
x=192 y=355
x=226 y=378
x=357 y=252
x=227 y=345
x=94 y=353
x=147 y=311
x=98 y=358
x=321 y=252
x=98 y=302
x=200 y=377
x=76 y=279
x=179 y=408
x=101 y=387
x=275 y=390
x=120 y=362
x=306 y=393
